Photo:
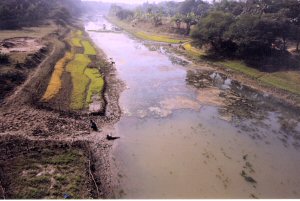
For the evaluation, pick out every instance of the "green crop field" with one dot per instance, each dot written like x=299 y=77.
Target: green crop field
x=96 y=84
x=79 y=80
x=88 y=48
x=76 y=42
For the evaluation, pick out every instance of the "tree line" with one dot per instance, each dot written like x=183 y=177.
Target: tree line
x=228 y=28
x=250 y=28
x=15 y=14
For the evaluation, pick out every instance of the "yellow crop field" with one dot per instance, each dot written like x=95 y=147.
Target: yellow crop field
x=80 y=81
x=96 y=84
x=55 y=82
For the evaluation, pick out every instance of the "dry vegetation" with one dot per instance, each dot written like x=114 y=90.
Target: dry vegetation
x=55 y=83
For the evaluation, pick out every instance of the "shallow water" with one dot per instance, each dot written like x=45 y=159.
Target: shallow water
x=181 y=138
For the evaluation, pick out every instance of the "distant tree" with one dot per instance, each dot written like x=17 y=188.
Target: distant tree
x=211 y=29
x=20 y=13
x=157 y=19
x=189 y=19
x=124 y=14
x=252 y=35
x=295 y=35
x=178 y=18
x=199 y=7
x=233 y=7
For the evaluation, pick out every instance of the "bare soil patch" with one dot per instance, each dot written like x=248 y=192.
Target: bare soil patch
x=24 y=44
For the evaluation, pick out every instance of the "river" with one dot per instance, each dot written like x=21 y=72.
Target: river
x=185 y=138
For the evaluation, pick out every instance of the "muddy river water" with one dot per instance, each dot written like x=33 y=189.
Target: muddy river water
x=188 y=133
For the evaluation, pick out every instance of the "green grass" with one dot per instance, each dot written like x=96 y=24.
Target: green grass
x=76 y=42
x=31 y=176
x=158 y=38
x=79 y=79
x=88 y=48
x=96 y=84
x=193 y=51
x=241 y=67
x=289 y=80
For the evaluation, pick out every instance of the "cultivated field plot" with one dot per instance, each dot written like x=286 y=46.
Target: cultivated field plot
x=45 y=170
x=86 y=80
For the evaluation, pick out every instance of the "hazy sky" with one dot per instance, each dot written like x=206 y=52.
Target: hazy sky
x=131 y=1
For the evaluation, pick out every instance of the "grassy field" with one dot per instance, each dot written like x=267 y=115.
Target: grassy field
x=49 y=175
x=289 y=80
x=196 y=52
x=55 y=83
x=80 y=81
x=34 y=32
x=158 y=38
x=241 y=67
x=96 y=84
x=88 y=48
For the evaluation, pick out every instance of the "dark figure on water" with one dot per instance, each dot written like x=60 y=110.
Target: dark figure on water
x=94 y=126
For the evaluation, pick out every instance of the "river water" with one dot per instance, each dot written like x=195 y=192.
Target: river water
x=185 y=138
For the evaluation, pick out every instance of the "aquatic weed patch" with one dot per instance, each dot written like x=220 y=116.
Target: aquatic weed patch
x=55 y=83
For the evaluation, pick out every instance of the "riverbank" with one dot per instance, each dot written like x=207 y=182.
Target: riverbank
x=283 y=85
x=147 y=34
x=40 y=109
